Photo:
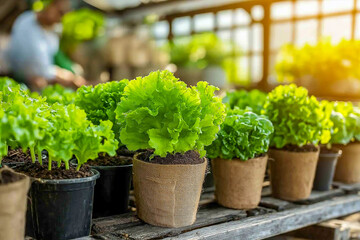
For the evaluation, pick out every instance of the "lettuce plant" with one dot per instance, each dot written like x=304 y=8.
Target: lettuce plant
x=58 y=94
x=100 y=102
x=27 y=120
x=346 y=122
x=72 y=134
x=253 y=100
x=325 y=62
x=160 y=112
x=243 y=135
x=297 y=118
x=6 y=82
x=62 y=130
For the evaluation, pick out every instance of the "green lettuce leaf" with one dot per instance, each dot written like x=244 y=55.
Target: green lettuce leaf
x=243 y=135
x=297 y=118
x=160 y=112
x=100 y=102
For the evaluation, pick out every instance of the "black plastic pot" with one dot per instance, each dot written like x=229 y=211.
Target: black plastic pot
x=325 y=170
x=112 y=190
x=62 y=209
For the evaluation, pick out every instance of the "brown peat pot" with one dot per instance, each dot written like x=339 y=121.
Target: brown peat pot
x=238 y=184
x=348 y=166
x=292 y=173
x=326 y=168
x=167 y=195
x=13 y=200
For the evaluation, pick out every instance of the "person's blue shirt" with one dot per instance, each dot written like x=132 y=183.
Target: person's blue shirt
x=32 y=49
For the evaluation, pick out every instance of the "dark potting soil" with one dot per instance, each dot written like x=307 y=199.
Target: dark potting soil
x=8 y=176
x=295 y=148
x=123 y=151
x=189 y=157
x=41 y=171
x=325 y=150
x=106 y=160
x=16 y=156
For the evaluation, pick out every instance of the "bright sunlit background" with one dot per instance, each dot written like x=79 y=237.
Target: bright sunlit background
x=141 y=36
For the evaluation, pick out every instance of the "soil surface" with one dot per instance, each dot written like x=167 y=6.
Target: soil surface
x=325 y=150
x=189 y=157
x=123 y=151
x=8 y=176
x=17 y=156
x=106 y=160
x=41 y=171
x=295 y=148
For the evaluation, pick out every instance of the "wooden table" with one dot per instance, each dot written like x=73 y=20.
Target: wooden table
x=271 y=218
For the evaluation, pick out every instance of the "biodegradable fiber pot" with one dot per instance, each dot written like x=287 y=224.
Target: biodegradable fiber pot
x=292 y=173
x=325 y=169
x=13 y=198
x=111 y=195
x=62 y=209
x=238 y=184
x=167 y=195
x=348 y=166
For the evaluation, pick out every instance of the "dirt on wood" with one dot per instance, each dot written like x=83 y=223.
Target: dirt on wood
x=41 y=171
x=189 y=157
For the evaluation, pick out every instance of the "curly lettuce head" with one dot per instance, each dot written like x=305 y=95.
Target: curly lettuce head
x=297 y=118
x=160 y=112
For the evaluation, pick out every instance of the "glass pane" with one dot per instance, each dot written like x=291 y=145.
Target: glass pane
x=272 y=74
x=337 y=28
x=224 y=18
x=337 y=6
x=280 y=35
x=161 y=29
x=243 y=69
x=306 y=32
x=181 y=26
x=224 y=35
x=242 y=39
x=305 y=8
x=256 y=68
x=257 y=12
x=204 y=22
x=242 y=17
x=281 y=10
x=161 y=42
x=257 y=37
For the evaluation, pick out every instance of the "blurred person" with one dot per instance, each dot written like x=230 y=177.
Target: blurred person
x=33 y=46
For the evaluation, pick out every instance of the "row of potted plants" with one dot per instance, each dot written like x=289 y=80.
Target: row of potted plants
x=170 y=128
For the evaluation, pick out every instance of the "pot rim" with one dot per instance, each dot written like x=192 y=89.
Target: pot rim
x=237 y=159
x=197 y=164
x=72 y=162
x=68 y=181
x=338 y=153
x=282 y=150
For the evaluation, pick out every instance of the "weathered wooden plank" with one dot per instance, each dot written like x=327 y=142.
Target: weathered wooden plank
x=208 y=216
x=266 y=191
x=326 y=230
x=349 y=188
x=276 y=204
x=318 y=196
x=114 y=223
x=269 y=225
x=259 y=211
